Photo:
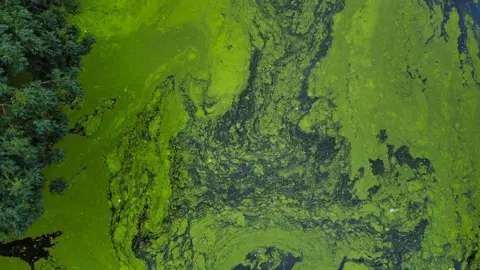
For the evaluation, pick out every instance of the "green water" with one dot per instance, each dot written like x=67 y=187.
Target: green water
x=230 y=134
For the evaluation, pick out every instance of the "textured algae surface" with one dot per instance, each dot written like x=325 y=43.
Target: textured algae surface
x=273 y=135
x=347 y=141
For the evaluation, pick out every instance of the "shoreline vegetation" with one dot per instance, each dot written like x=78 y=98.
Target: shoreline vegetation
x=39 y=67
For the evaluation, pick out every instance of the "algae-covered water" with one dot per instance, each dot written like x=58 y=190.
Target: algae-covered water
x=248 y=134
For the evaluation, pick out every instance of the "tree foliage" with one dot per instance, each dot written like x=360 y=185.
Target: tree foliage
x=39 y=65
x=58 y=186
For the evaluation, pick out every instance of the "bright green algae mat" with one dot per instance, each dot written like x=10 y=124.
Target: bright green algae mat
x=272 y=135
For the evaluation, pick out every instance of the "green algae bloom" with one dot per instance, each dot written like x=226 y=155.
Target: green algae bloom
x=273 y=135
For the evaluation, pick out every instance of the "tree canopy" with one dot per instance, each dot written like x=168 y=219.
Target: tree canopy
x=39 y=65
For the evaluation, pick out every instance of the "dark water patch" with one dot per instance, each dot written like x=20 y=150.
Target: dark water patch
x=371 y=263
x=269 y=258
x=403 y=157
x=30 y=250
x=457 y=265
x=241 y=267
x=382 y=136
x=377 y=166
x=373 y=190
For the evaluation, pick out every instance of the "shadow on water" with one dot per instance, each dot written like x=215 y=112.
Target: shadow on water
x=30 y=249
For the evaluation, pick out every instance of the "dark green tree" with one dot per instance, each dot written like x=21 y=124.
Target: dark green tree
x=39 y=66
x=58 y=186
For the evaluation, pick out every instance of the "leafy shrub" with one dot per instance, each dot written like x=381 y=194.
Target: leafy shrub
x=58 y=186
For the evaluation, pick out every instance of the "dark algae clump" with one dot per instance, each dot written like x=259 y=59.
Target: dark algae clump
x=336 y=135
